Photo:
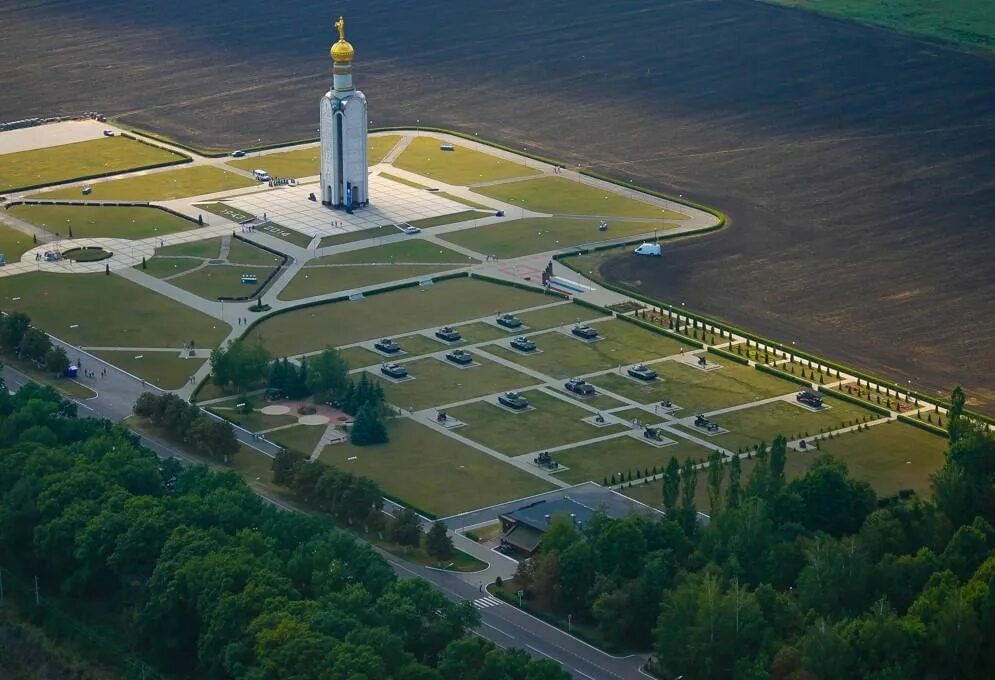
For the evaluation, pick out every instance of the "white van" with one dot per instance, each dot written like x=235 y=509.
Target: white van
x=261 y=175
x=652 y=249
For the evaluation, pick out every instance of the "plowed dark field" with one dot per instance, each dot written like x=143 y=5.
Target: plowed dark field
x=858 y=166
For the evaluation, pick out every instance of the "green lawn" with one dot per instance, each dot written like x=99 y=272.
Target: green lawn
x=360 y=235
x=378 y=146
x=102 y=221
x=394 y=313
x=481 y=331
x=163 y=369
x=465 y=201
x=890 y=457
x=564 y=356
x=598 y=401
x=221 y=280
x=594 y=462
x=698 y=391
x=312 y=281
x=110 y=311
x=433 y=471
x=14 y=243
x=558 y=315
x=306 y=162
x=77 y=161
x=402 y=180
x=209 y=248
x=302 y=438
x=412 y=345
x=751 y=426
x=416 y=251
x=967 y=23
x=296 y=163
x=163 y=267
x=452 y=218
x=565 y=196
x=243 y=252
x=357 y=357
x=460 y=167
x=437 y=383
x=159 y=186
x=553 y=422
x=539 y=234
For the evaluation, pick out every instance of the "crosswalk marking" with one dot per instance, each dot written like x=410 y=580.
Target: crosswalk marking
x=484 y=602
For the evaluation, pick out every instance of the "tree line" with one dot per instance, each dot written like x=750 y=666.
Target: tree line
x=242 y=365
x=18 y=338
x=813 y=578
x=186 y=423
x=194 y=572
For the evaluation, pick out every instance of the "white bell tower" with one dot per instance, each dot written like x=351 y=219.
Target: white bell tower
x=344 y=165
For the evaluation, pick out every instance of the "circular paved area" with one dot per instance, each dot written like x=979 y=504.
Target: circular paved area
x=274 y=410
x=313 y=420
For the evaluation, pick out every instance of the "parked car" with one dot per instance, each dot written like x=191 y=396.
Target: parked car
x=394 y=371
x=651 y=249
x=410 y=229
x=581 y=387
x=108 y=133
x=238 y=153
x=523 y=344
x=513 y=400
x=387 y=346
x=642 y=372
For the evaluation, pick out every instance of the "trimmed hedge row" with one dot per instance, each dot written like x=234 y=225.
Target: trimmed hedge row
x=764 y=368
x=855 y=400
x=345 y=298
x=165 y=164
x=729 y=355
x=516 y=284
x=106 y=204
x=661 y=331
x=923 y=425
x=574 y=251
x=591 y=305
x=258 y=290
x=154 y=146
x=406 y=504
x=774 y=344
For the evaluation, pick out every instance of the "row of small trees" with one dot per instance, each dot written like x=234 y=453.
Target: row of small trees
x=186 y=423
x=20 y=339
x=358 y=501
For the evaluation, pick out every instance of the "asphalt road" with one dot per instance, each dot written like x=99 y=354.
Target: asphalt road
x=855 y=162
x=503 y=624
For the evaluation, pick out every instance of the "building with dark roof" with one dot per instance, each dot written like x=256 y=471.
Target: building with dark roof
x=522 y=528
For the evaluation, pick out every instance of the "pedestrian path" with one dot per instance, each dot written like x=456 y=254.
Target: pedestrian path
x=486 y=601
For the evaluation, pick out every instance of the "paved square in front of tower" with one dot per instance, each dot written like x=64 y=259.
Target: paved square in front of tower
x=391 y=203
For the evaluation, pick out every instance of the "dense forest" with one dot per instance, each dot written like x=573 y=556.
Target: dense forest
x=813 y=578
x=197 y=575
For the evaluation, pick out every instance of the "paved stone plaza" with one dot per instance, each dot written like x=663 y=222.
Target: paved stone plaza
x=392 y=203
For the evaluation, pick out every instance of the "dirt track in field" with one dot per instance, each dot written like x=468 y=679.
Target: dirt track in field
x=856 y=165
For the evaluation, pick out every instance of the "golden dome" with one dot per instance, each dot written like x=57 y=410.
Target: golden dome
x=342 y=51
